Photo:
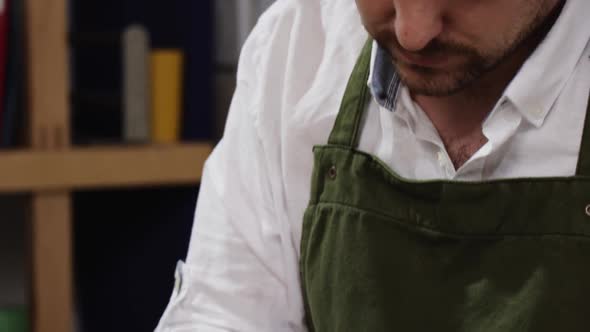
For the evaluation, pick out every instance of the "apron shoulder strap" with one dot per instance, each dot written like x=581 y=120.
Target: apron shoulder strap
x=346 y=129
x=583 y=168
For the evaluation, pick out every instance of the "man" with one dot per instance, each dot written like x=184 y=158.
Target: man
x=448 y=190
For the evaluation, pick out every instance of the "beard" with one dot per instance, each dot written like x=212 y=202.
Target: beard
x=470 y=63
x=436 y=81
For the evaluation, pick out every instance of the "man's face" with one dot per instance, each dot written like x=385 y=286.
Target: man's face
x=441 y=46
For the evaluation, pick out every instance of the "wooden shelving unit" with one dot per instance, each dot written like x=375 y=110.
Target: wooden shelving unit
x=101 y=167
x=51 y=168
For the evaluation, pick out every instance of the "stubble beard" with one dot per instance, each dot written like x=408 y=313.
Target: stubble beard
x=439 y=82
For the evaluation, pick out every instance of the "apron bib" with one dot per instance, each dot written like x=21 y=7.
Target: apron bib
x=382 y=253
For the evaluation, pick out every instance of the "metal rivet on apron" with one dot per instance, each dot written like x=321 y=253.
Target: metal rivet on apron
x=588 y=210
x=332 y=172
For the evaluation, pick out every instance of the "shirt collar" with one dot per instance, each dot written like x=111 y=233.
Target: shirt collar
x=543 y=76
x=540 y=80
x=383 y=80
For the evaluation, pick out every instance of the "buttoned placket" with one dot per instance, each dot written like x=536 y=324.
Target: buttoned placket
x=500 y=125
x=422 y=128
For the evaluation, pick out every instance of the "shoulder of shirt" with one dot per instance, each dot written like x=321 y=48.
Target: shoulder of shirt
x=292 y=49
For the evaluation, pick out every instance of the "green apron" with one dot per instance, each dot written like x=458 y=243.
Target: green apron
x=382 y=253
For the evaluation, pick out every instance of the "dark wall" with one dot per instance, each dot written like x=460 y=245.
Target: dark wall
x=127 y=243
x=13 y=251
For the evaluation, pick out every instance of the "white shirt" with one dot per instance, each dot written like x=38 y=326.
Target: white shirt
x=241 y=272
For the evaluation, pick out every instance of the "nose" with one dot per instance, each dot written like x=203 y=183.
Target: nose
x=417 y=23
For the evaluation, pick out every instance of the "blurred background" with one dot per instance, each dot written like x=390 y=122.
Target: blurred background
x=108 y=109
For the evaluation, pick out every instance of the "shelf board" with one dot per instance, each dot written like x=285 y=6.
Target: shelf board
x=102 y=167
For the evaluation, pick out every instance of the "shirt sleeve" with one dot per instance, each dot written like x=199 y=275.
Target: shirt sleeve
x=233 y=278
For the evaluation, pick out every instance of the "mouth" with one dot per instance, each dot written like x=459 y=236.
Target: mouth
x=425 y=61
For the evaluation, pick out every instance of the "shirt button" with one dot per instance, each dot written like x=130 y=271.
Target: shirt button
x=538 y=111
x=441 y=158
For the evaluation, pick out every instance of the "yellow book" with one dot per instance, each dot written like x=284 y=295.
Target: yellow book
x=166 y=92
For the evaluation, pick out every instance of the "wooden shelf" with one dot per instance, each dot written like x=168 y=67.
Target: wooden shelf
x=102 y=167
